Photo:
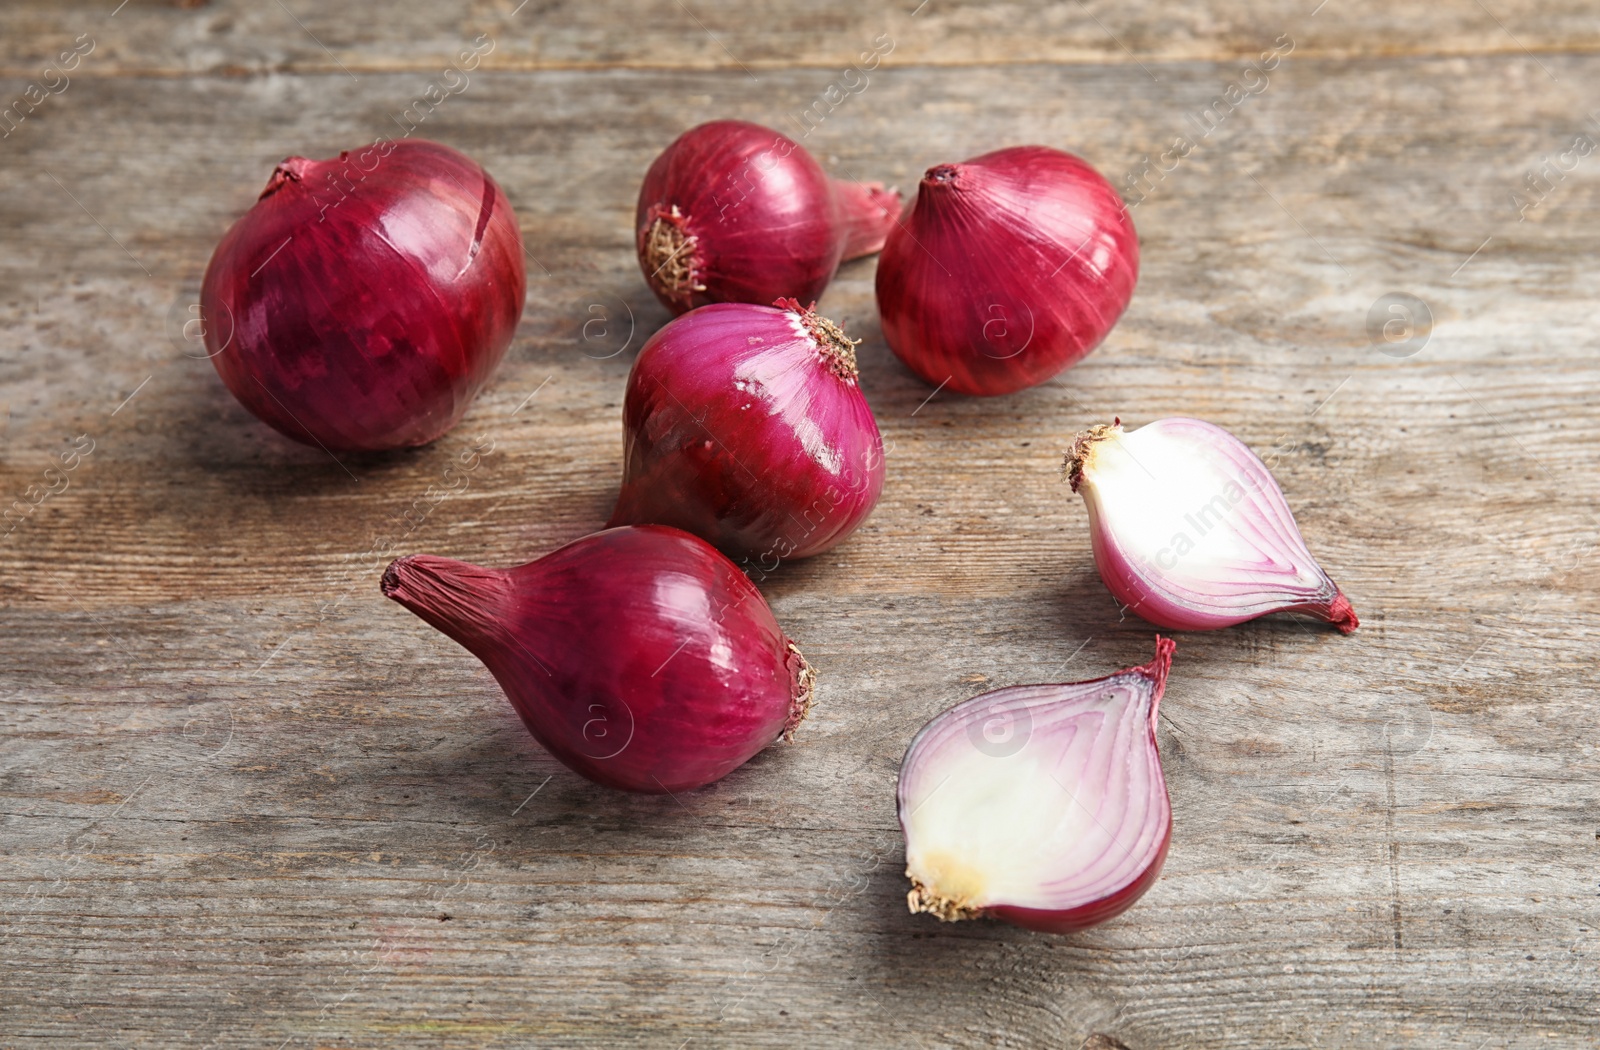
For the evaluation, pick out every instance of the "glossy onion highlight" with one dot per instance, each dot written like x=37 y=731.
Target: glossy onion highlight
x=745 y=426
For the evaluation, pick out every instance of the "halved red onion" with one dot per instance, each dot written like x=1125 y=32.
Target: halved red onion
x=639 y=657
x=1042 y=805
x=745 y=425
x=1191 y=531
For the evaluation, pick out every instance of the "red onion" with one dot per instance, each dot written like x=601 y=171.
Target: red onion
x=1007 y=269
x=735 y=212
x=1191 y=531
x=639 y=657
x=368 y=298
x=745 y=426
x=1042 y=805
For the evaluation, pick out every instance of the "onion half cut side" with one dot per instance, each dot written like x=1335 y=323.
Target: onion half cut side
x=1041 y=805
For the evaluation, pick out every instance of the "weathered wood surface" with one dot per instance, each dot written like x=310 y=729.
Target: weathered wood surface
x=160 y=36
x=247 y=802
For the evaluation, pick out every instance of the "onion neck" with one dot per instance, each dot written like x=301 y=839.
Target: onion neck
x=1340 y=613
x=944 y=186
x=867 y=212
x=472 y=605
x=1343 y=615
x=1156 y=671
x=293 y=169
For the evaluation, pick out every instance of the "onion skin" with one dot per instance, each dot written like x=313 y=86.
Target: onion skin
x=745 y=425
x=1061 y=715
x=733 y=212
x=1286 y=579
x=1006 y=270
x=363 y=302
x=1071 y=920
x=1119 y=780
x=639 y=657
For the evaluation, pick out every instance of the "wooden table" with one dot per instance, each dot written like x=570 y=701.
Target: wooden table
x=250 y=803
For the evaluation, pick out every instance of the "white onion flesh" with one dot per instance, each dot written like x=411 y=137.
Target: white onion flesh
x=1191 y=530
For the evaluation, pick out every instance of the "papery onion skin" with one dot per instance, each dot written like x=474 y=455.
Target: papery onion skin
x=639 y=657
x=1289 y=579
x=735 y=212
x=1140 y=846
x=1006 y=270
x=746 y=426
x=363 y=302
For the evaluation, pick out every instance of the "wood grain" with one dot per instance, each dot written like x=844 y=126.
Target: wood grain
x=235 y=37
x=247 y=801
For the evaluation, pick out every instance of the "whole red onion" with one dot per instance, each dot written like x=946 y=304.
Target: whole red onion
x=1007 y=269
x=735 y=212
x=745 y=426
x=363 y=302
x=639 y=657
